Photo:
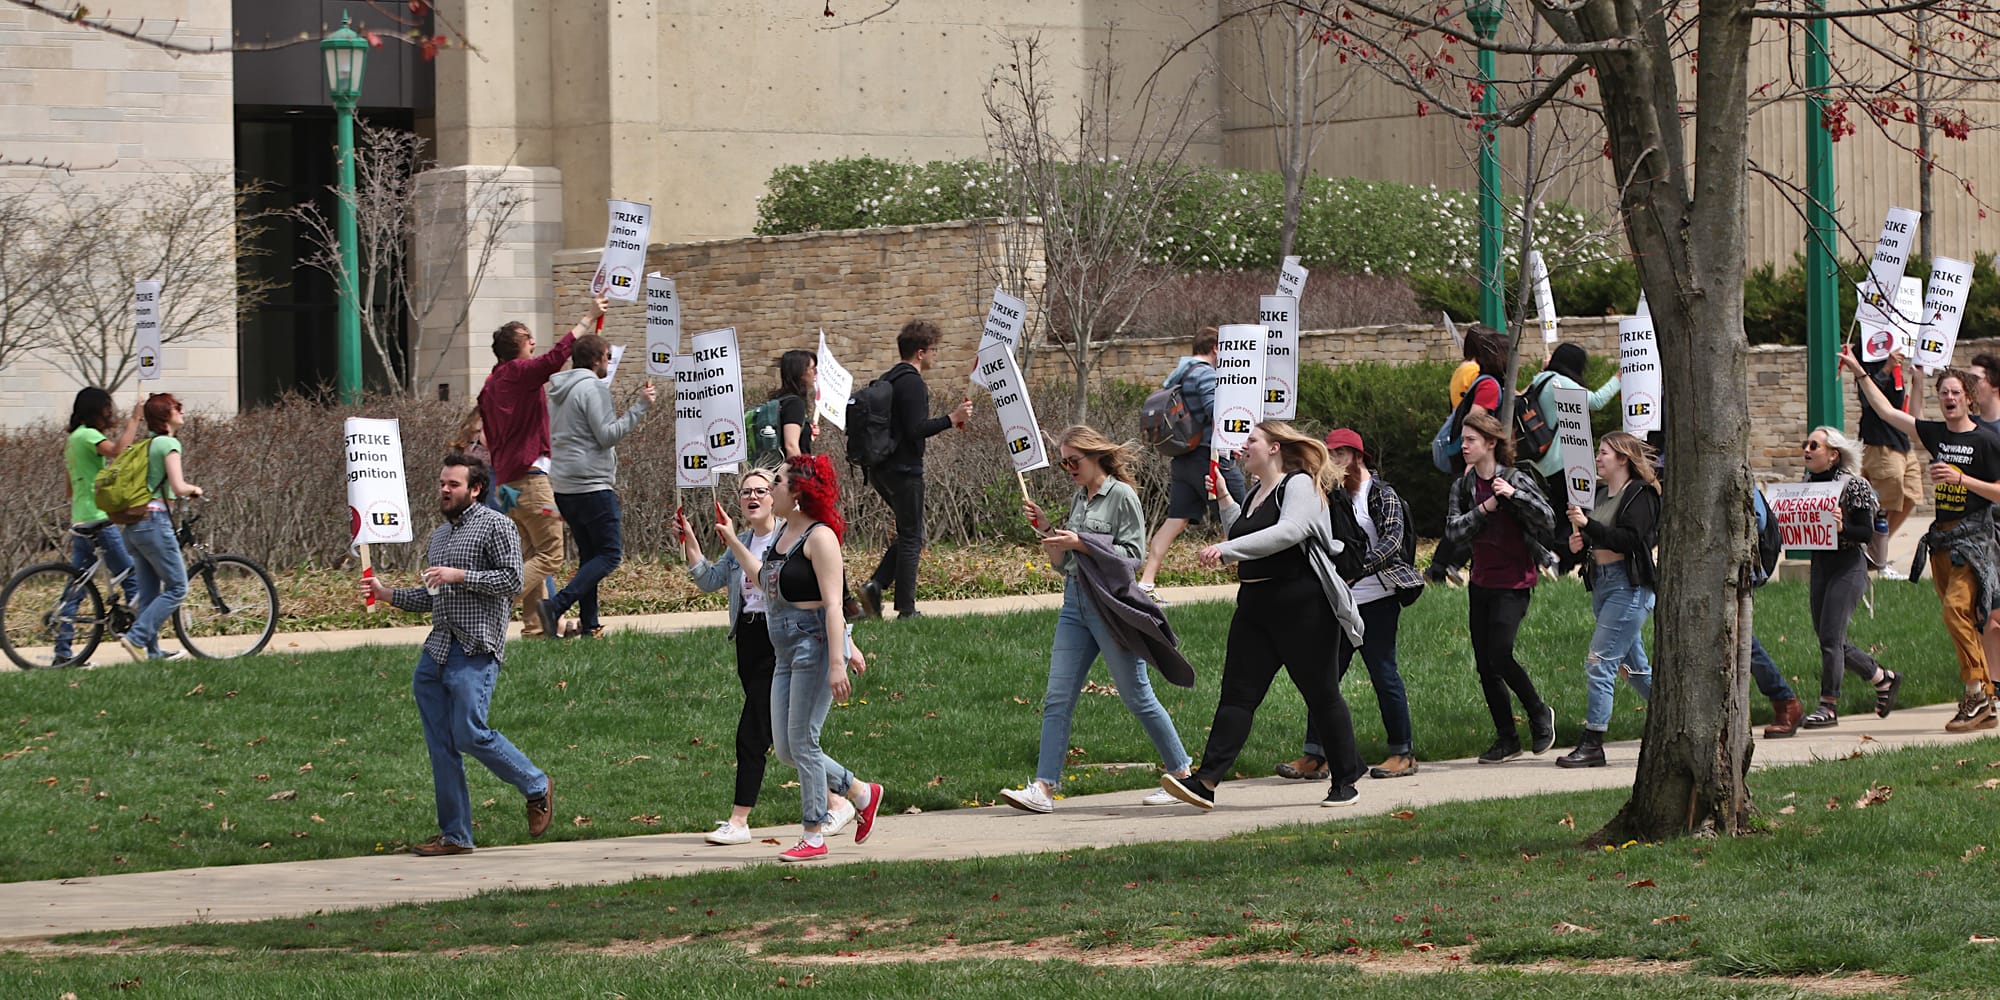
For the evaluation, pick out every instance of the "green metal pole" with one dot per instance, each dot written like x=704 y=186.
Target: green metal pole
x=1822 y=271
x=350 y=299
x=1492 y=300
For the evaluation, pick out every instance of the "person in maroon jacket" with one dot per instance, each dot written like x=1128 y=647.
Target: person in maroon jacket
x=514 y=411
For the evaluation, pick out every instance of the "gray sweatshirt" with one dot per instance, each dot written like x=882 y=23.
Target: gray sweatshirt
x=584 y=430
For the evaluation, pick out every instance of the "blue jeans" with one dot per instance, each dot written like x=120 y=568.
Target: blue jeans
x=1621 y=608
x=1081 y=636
x=1770 y=683
x=161 y=575
x=801 y=695
x=1378 y=652
x=598 y=526
x=82 y=552
x=452 y=699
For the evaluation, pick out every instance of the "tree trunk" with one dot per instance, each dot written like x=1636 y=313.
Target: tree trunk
x=1079 y=400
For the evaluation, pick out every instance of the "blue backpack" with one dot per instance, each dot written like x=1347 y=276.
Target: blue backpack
x=1446 y=444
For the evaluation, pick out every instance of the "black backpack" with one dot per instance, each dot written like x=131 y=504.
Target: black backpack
x=871 y=437
x=1167 y=424
x=1770 y=541
x=1533 y=431
x=1347 y=530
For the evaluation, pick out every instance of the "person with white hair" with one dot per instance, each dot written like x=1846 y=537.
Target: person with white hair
x=1840 y=576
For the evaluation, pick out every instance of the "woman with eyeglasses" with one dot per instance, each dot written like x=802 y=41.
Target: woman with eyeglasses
x=1105 y=504
x=801 y=577
x=1840 y=576
x=1617 y=536
x=161 y=573
x=755 y=659
x=1287 y=613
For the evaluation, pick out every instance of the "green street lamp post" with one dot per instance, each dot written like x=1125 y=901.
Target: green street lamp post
x=1485 y=16
x=1822 y=273
x=346 y=55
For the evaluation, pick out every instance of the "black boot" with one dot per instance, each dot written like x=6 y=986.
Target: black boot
x=1589 y=751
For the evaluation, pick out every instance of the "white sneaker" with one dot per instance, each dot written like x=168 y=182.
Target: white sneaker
x=726 y=833
x=1032 y=798
x=837 y=818
x=1892 y=573
x=176 y=654
x=1159 y=797
x=134 y=650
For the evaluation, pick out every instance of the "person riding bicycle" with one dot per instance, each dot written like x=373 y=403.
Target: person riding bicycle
x=161 y=573
x=91 y=418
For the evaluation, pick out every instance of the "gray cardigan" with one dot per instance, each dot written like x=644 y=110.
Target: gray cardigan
x=1302 y=520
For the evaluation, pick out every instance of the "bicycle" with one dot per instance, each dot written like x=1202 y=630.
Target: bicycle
x=231 y=609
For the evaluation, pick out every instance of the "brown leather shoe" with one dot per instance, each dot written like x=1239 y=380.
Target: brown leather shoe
x=438 y=847
x=1307 y=768
x=1399 y=765
x=541 y=810
x=1785 y=716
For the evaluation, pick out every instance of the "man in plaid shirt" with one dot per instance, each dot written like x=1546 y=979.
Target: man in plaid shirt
x=473 y=572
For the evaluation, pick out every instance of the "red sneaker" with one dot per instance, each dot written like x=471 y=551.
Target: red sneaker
x=864 y=821
x=803 y=851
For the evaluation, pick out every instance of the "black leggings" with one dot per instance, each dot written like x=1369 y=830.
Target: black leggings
x=1281 y=623
x=755 y=661
x=1496 y=615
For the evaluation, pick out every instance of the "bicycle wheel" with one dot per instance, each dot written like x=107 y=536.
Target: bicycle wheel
x=231 y=608
x=34 y=621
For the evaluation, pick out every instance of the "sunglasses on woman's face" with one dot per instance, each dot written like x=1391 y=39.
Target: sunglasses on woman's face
x=1810 y=445
x=1071 y=463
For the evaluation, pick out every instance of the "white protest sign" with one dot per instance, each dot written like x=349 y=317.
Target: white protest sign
x=1808 y=513
x=1239 y=384
x=1018 y=429
x=1292 y=279
x=1280 y=316
x=1004 y=320
x=1457 y=339
x=1545 y=300
x=1873 y=322
x=663 y=325
x=624 y=256
x=714 y=364
x=1944 y=309
x=1644 y=309
x=146 y=324
x=1909 y=316
x=1579 y=455
x=611 y=365
x=1639 y=374
x=378 y=502
x=1892 y=251
x=836 y=386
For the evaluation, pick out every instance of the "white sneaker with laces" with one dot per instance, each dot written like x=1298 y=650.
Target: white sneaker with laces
x=1159 y=797
x=1892 y=573
x=837 y=818
x=176 y=654
x=1030 y=799
x=726 y=833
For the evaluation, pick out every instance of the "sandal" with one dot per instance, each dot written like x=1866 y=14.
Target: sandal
x=1885 y=693
x=1309 y=767
x=1823 y=717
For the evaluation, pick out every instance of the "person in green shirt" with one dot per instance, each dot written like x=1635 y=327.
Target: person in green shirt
x=162 y=575
x=91 y=417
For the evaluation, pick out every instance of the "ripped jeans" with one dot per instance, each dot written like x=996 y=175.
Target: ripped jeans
x=1622 y=608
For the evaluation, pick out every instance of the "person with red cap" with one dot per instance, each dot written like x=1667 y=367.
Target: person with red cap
x=1371 y=516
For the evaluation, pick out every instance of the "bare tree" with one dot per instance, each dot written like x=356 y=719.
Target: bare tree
x=420 y=259
x=1103 y=183
x=190 y=232
x=1288 y=83
x=29 y=268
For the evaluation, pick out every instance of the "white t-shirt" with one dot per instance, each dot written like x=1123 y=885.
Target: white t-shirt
x=753 y=595
x=1368 y=588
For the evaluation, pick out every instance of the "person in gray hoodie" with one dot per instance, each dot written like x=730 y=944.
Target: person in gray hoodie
x=584 y=431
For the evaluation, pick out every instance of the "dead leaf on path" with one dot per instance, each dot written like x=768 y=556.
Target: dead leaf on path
x=1644 y=883
x=1856 y=755
x=1865 y=738
x=913 y=811
x=633 y=760
x=773 y=841
x=1565 y=927
x=1788 y=810
x=1670 y=919
x=1567 y=820
x=1403 y=814
x=1875 y=795
x=284 y=796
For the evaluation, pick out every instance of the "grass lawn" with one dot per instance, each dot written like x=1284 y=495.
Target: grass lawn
x=1484 y=899
x=295 y=757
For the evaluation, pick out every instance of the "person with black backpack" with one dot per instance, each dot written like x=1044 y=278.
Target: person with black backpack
x=1564 y=370
x=1487 y=348
x=1371 y=522
x=1189 y=497
x=898 y=478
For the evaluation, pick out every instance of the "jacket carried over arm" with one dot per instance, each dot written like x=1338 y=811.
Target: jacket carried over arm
x=1110 y=580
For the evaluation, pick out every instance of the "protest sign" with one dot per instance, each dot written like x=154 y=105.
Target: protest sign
x=1005 y=320
x=1457 y=338
x=836 y=385
x=1892 y=251
x=1944 y=309
x=663 y=325
x=1019 y=431
x=1545 y=299
x=1644 y=309
x=1280 y=316
x=1808 y=513
x=1879 y=322
x=378 y=500
x=624 y=255
x=146 y=322
x=1239 y=384
x=1909 y=316
x=1292 y=280
x=708 y=408
x=1639 y=374
x=1579 y=454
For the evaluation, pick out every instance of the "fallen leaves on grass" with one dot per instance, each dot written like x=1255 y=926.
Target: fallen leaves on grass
x=579 y=821
x=286 y=795
x=198 y=688
x=934 y=782
x=633 y=760
x=647 y=819
x=1672 y=918
x=1405 y=814
x=305 y=767
x=1644 y=883
x=1976 y=939
x=1875 y=795
x=1788 y=810
x=1977 y=850
x=1565 y=927
x=913 y=811
x=1567 y=820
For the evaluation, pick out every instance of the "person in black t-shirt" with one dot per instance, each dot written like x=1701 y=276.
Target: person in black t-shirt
x=1961 y=544
x=1886 y=459
x=798 y=381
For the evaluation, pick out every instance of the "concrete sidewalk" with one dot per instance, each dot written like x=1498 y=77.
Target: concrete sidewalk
x=32 y=910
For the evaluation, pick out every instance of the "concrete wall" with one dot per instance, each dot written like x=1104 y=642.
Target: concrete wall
x=87 y=99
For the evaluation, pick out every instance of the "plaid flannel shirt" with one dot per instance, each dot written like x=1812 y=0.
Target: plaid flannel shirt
x=485 y=545
x=1385 y=558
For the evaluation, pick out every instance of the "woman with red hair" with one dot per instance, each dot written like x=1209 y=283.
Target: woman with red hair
x=802 y=579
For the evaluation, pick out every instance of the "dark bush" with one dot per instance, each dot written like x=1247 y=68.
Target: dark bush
x=1606 y=289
